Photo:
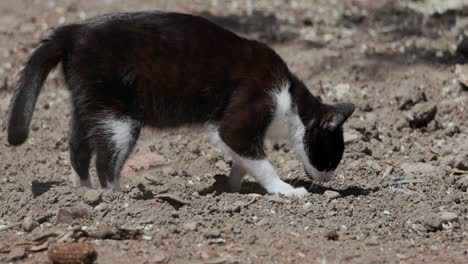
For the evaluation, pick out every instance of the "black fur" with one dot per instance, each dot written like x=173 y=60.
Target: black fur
x=166 y=70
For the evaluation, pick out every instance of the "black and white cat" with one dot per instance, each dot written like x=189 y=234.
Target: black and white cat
x=164 y=70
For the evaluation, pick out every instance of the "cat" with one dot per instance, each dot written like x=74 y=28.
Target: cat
x=165 y=70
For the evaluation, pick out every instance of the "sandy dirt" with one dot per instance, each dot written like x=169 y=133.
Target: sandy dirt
x=402 y=183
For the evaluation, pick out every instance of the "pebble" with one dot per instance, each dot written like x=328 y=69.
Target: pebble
x=159 y=257
x=448 y=217
x=461 y=71
x=371 y=242
x=190 y=226
x=211 y=233
x=332 y=235
x=417 y=168
x=17 y=253
x=422 y=114
x=136 y=194
x=93 y=197
x=332 y=194
x=307 y=206
x=350 y=138
x=68 y=214
x=29 y=224
x=432 y=222
x=220 y=164
x=102 y=207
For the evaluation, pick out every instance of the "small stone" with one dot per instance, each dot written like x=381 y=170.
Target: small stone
x=17 y=253
x=448 y=217
x=332 y=194
x=350 y=138
x=432 y=222
x=341 y=90
x=307 y=206
x=220 y=164
x=159 y=257
x=102 y=207
x=461 y=71
x=422 y=114
x=29 y=224
x=332 y=235
x=211 y=233
x=374 y=165
x=190 y=226
x=68 y=214
x=371 y=242
x=136 y=194
x=93 y=197
x=417 y=168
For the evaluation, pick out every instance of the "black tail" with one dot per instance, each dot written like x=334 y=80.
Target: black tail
x=31 y=79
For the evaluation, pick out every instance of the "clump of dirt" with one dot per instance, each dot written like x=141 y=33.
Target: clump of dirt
x=400 y=194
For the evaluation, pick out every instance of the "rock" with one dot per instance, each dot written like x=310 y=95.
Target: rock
x=142 y=162
x=421 y=115
x=93 y=197
x=136 y=193
x=220 y=164
x=341 y=90
x=417 y=168
x=212 y=233
x=432 y=222
x=462 y=50
x=371 y=242
x=461 y=71
x=409 y=102
x=332 y=235
x=374 y=165
x=332 y=194
x=103 y=207
x=29 y=224
x=159 y=257
x=68 y=214
x=173 y=199
x=17 y=253
x=448 y=217
x=350 y=137
x=307 y=206
x=190 y=226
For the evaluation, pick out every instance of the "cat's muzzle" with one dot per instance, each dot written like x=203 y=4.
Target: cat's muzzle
x=320 y=176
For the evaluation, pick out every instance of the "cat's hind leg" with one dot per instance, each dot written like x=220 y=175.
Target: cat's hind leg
x=81 y=152
x=115 y=140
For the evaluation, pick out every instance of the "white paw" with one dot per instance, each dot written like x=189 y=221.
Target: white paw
x=298 y=192
x=288 y=190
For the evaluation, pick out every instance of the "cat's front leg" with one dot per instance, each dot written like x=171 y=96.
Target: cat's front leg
x=235 y=177
x=265 y=174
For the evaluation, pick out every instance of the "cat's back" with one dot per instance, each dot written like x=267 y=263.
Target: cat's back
x=156 y=31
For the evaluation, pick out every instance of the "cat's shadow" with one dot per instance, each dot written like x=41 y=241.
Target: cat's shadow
x=221 y=186
x=38 y=188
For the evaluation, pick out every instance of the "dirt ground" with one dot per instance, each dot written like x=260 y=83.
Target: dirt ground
x=403 y=185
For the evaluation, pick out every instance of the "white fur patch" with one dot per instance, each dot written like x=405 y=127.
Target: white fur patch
x=120 y=131
x=262 y=170
x=287 y=124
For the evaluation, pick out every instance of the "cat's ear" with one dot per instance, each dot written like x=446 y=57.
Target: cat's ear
x=336 y=115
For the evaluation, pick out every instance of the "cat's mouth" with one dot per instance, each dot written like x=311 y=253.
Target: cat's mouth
x=321 y=176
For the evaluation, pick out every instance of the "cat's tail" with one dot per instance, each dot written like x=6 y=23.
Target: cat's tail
x=31 y=79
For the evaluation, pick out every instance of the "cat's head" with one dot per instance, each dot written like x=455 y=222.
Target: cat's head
x=323 y=141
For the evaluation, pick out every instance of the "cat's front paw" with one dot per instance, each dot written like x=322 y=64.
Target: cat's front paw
x=287 y=190
x=298 y=192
